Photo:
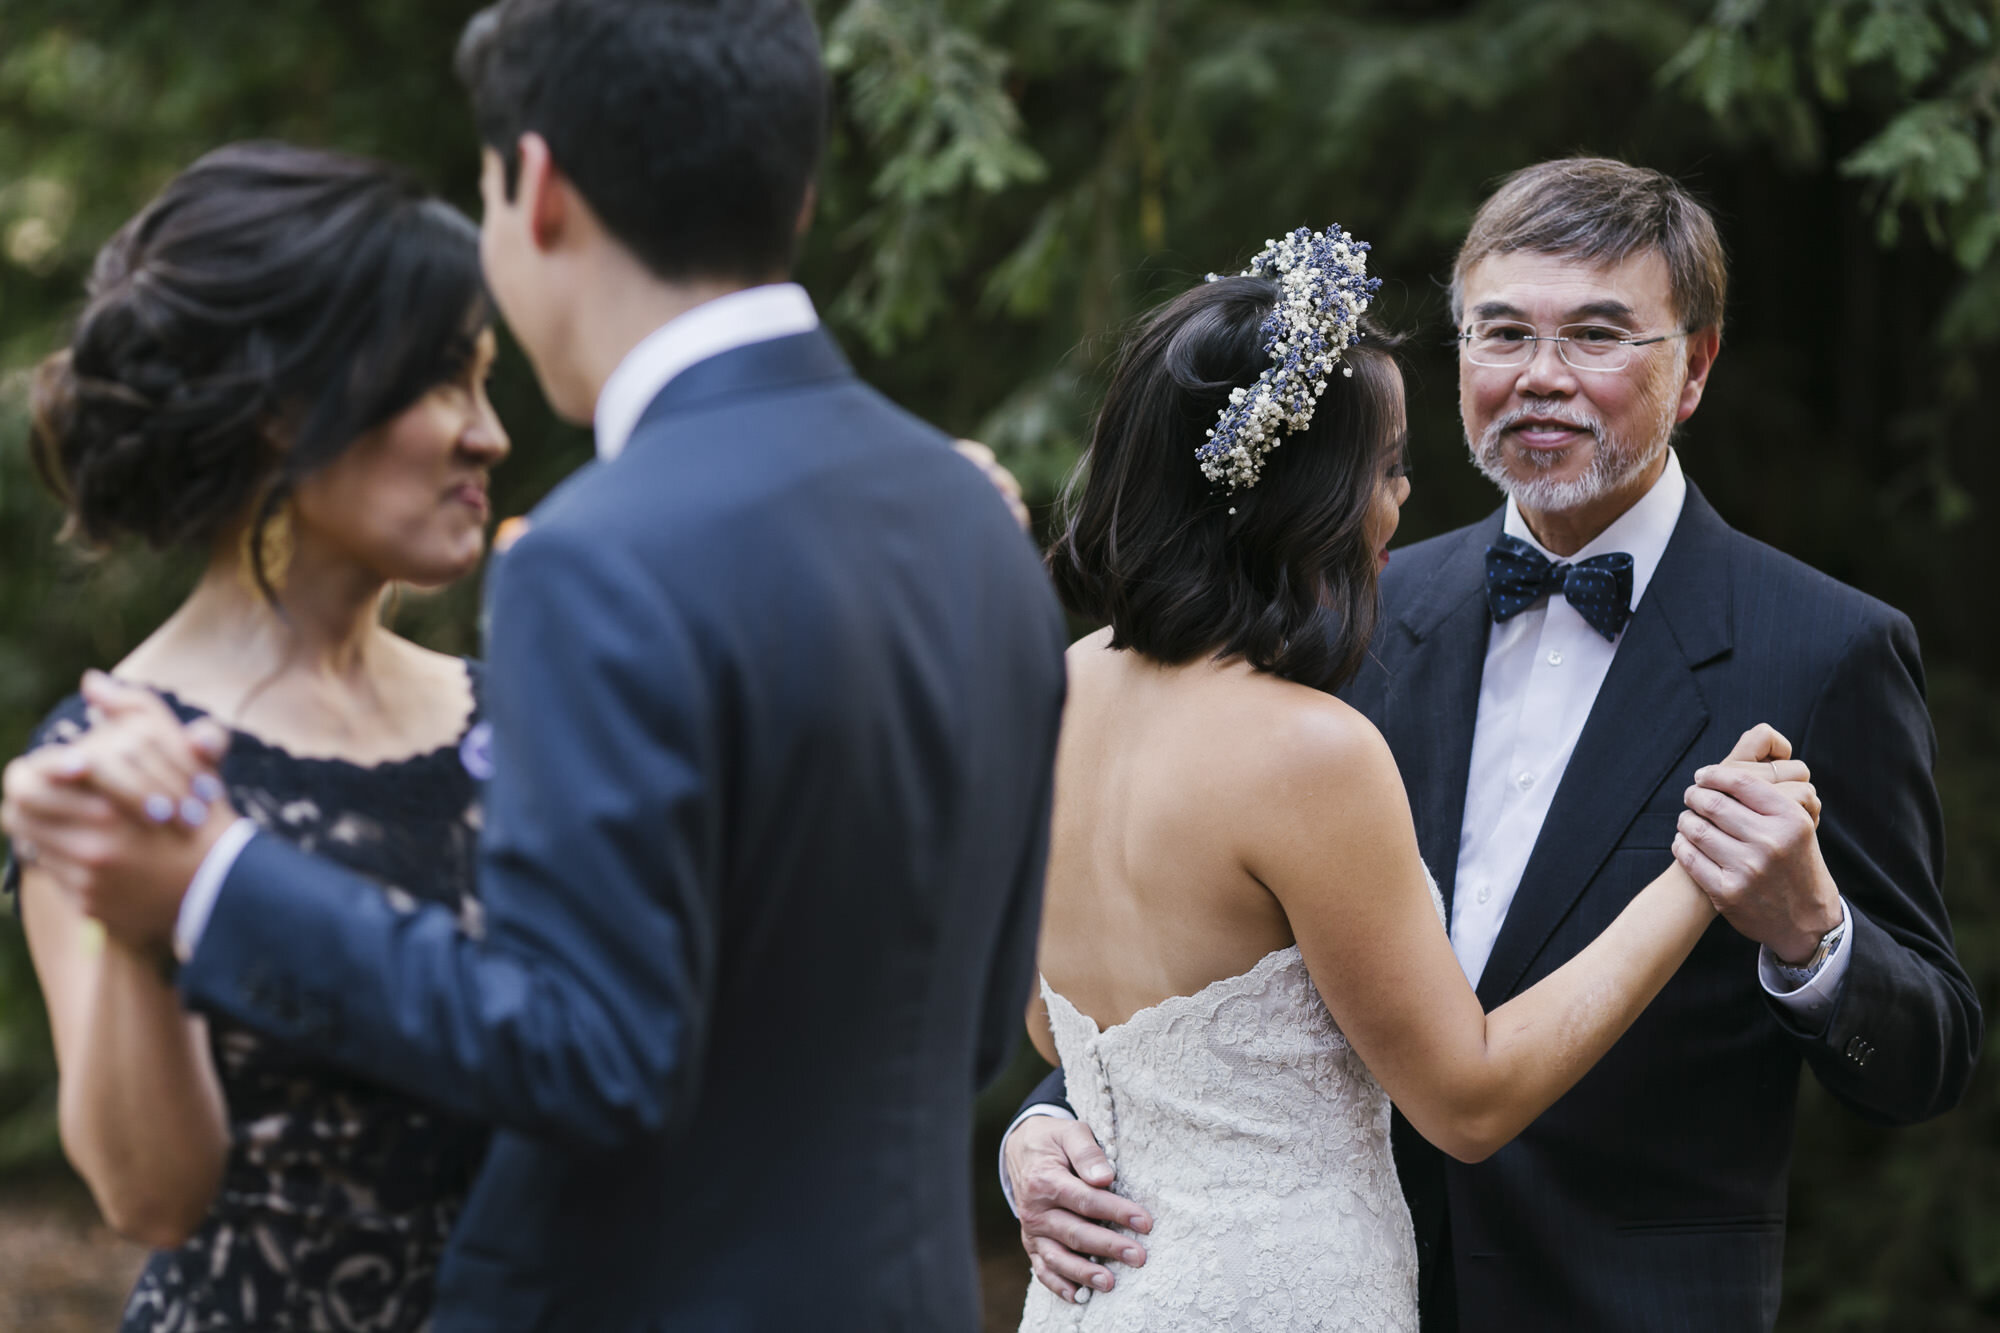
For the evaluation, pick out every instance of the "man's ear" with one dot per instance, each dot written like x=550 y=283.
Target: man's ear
x=1703 y=346
x=544 y=192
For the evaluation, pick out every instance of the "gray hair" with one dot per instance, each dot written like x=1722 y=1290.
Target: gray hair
x=1603 y=211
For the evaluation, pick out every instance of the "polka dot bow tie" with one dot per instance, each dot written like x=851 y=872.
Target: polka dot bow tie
x=1600 y=588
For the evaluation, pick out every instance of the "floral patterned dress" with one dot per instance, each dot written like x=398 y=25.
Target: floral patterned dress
x=339 y=1193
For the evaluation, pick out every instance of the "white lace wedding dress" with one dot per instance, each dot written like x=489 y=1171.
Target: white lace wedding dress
x=1243 y=1121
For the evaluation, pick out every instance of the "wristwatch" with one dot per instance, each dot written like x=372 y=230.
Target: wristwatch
x=1809 y=969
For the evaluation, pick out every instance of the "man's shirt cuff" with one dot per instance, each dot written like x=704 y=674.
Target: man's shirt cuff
x=1029 y=1113
x=1811 y=1001
x=199 y=900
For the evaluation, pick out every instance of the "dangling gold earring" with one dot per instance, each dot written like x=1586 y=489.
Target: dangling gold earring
x=274 y=540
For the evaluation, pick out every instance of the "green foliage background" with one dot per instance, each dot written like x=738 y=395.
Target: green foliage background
x=1011 y=180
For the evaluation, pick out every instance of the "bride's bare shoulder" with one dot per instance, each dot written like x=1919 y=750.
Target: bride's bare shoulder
x=1314 y=738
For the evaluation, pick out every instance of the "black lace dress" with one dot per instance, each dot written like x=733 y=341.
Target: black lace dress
x=339 y=1193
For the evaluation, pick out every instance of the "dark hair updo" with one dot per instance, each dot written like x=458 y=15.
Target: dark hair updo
x=272 y=305
x=1281 y=573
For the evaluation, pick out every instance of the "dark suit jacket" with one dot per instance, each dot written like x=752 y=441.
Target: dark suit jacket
x=774 y=701
x=1652 y=1196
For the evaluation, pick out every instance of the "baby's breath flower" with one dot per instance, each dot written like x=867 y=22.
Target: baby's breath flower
x=1323 y=289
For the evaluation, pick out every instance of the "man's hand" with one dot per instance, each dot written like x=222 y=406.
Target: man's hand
x=1003 y=481
x=1749 y=839
x=1061 y=1181
x=121 y=818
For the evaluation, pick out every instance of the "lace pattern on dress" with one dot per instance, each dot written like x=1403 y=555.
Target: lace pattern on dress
x=1243 y=1121
x=338 y=1194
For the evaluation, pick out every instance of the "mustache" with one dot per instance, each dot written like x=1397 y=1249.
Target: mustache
x=1565 y=415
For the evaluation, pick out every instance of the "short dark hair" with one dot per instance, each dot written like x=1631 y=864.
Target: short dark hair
x=691 y=127
x=1282 y=573
x=1603 y=211
x=268 y=308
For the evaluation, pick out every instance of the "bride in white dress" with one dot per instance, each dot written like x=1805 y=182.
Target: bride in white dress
x=1241 y=950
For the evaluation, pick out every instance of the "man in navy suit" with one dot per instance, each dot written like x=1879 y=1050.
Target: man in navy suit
x=1552 y=681
x=774 y=688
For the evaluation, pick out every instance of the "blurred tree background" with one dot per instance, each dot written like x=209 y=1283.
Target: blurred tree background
x=1010 y=181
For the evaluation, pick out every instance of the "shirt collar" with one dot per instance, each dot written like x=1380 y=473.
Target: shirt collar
x=1642 y=531
x=753 y=315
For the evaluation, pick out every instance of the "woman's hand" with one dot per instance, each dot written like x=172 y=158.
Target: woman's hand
x=1003 y=481
x=1749 y=839
x=121 y=817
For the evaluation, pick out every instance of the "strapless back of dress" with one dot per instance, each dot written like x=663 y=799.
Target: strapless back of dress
x=1243 y=1121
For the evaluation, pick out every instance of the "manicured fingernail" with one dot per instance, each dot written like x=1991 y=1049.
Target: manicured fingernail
x=70 y=763
x=207 y=788
x=159 y=808
x=1138 y=1222
x=194 y=813
x=1134 y=1256
x=1102 y=1282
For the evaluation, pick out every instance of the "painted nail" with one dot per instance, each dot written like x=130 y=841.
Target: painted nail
x=194 y=813
x=1138 y=1221
x=207 y=787
x=1133 y=1256
x=1102 y=1282
x=159 y=808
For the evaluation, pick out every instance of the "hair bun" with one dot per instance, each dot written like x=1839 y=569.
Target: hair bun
x=140 y=428
x=266 y=310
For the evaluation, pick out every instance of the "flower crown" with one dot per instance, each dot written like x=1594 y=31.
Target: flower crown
x=1323 y=288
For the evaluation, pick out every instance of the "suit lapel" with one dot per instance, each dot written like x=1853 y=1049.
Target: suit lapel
x=1648 y=712
x=1436 y=657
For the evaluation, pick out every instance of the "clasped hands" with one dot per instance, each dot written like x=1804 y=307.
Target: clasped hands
x=1747 y=838
x=121 y=818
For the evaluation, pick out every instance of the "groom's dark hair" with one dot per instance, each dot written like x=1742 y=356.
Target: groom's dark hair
x=691 y=127
x=1281 y=574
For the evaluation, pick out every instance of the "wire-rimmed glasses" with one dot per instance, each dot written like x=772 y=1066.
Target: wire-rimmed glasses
x=1507 y=344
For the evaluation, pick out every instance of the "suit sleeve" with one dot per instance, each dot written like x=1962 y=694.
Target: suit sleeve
x=1906 y=1029
x=581 y=1013
x=1051 y=1091
x=1013 y=966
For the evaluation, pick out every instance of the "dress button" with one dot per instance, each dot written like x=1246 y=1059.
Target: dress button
x=1555 y=657
x=1485 y=892
x=1525 y=782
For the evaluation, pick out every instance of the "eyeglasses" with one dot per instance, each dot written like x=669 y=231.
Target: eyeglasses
x=1504 y=344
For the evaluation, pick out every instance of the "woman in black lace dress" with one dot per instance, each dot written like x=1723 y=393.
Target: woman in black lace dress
x=282 y=362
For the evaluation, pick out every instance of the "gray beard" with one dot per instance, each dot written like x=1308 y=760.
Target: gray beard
x=1614 y=462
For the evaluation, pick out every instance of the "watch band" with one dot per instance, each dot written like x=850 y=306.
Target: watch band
x=1809 y=969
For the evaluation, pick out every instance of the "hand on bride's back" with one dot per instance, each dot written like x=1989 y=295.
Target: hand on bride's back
x=1062 y=1192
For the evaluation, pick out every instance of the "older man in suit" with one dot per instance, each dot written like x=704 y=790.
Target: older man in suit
x=1548 y=679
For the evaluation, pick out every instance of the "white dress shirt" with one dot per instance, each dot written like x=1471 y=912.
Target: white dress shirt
x=753 y=315
x=1543 y=670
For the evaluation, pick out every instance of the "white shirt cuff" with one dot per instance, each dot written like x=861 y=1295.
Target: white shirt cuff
x=1029 y=1113
x=199 y=900
x=1811 y=1001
